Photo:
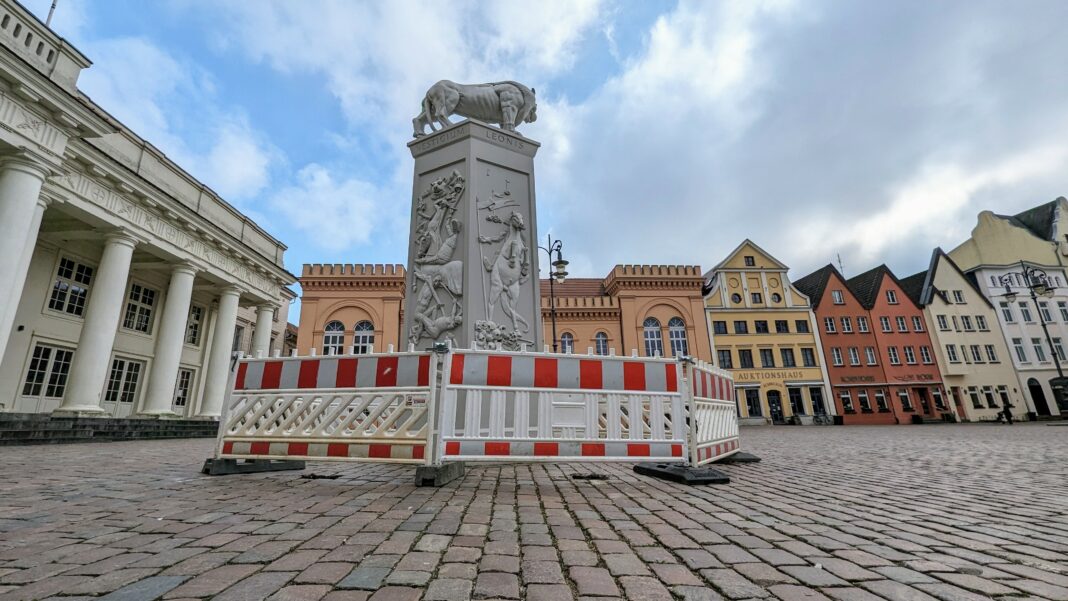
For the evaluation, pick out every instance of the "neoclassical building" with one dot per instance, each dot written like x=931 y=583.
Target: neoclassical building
x=124 y=277
x=644 y=309
x=763 y=331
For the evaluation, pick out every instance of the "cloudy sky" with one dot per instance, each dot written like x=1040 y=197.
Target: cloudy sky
x=670 y=130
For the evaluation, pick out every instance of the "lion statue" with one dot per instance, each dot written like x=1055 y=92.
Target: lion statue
x=508 y=103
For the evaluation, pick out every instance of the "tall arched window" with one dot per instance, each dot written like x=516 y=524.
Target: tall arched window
x=600 y=343
x=677 y=337
x=333 y=338
x=567 y=343
x=363 y=339
x=654 y=340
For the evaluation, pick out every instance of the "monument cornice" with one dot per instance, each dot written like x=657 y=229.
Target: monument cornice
x=471 y=128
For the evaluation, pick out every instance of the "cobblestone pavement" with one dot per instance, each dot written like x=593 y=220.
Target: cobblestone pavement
x=852 y=514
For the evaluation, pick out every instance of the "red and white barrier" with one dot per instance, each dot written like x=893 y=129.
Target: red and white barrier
x=713 y=415
x=508 y=406
x=367 y=408
x=425 y=408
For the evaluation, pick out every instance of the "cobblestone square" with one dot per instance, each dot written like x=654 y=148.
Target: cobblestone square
x=954 y=513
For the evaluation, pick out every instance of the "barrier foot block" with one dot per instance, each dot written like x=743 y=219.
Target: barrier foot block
x=740 y=457
x=438 y=475
x=223 y=467
x=682 y=474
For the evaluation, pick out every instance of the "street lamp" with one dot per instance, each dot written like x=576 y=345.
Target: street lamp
x=1038 y=284
x=558 y=274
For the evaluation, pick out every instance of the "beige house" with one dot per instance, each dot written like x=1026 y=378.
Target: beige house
x=972 y=355
x=999 y=249
x=763 y=331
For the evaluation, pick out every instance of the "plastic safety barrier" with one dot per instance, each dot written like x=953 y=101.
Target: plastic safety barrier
x=473 y=405
x=367 y=407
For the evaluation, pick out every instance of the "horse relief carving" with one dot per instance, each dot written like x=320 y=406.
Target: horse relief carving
x=437 y=278
x=507 y=103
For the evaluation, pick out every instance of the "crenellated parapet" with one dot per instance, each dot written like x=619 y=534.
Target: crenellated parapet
x=651 y=277
x=352 y=275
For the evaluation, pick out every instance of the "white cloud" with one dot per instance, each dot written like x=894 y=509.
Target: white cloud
x=334 y=215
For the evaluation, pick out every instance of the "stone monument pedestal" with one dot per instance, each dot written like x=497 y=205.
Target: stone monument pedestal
x=472 y=255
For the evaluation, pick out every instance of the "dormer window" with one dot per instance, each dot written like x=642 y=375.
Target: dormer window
x=891 y=297
x=838 y=297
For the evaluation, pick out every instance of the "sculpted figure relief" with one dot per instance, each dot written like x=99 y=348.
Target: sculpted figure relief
x=437 y=278
x=507 y=103
x=509 y=268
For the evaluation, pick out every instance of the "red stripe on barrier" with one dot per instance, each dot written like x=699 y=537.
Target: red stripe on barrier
x=457 y=375
x=337 y=449
x=386 y=374
x=546 y=449
x=259 y=448
x=380 y=451
x=346 y=373
x=545 y=375
x=309 y=374
x=498 y=371
x=452 y=447
x=671 y=378
x=239 y=383
x=498 y=448
x=228 y=447
x=297 y=449
x=418 y=451
x=272 y=375
x=590 y=376
x=676 y=450
x=424 y=371
x=637 y=450
x=593 y=449
x=633 y=375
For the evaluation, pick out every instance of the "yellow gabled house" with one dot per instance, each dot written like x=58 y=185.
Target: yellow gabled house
x=764 y=332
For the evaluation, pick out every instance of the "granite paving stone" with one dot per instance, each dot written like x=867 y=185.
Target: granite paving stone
x=862 y=518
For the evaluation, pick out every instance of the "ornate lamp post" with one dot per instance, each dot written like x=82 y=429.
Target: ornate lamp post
x=1038 y=284
x=558 y=274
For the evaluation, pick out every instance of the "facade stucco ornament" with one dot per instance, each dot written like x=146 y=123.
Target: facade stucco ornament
x=507 y=103
x=437 y=278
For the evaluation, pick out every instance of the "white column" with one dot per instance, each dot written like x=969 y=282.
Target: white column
x=20 y=220
x=91 y=363
x=169 y=342
x=219 y=361
x=261 y=339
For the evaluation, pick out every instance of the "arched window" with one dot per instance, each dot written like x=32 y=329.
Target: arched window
x=363 y=339
x=600 y=343
x=677 y=337
x=567 y=343
x=654 y=340
x=333 y=338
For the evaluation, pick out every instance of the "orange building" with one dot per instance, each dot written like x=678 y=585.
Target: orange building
x=346 y=308
x=651 y=309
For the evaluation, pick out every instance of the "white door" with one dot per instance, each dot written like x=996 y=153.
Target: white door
x=123 y=386
x=46 y=379
x=182 y=389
